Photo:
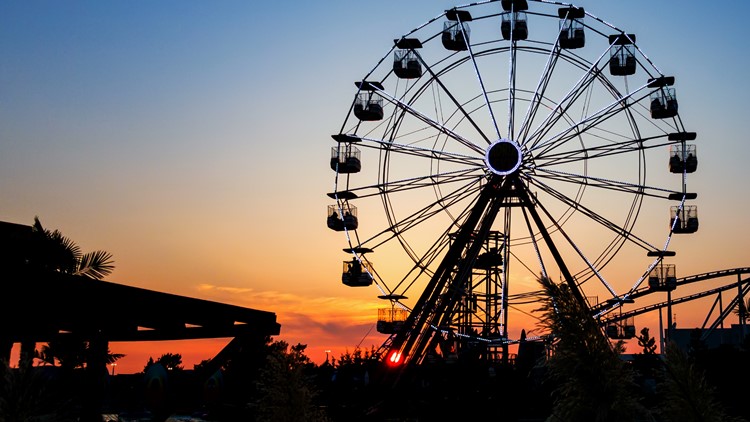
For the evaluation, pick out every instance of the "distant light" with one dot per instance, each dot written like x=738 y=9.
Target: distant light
x=395 y=358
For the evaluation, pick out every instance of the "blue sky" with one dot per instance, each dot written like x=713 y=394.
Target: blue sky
x=191 y=138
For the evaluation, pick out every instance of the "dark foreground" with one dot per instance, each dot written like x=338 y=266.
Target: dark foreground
x=355 y=391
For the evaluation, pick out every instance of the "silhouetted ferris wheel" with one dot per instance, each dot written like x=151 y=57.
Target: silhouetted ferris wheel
x=496 y=143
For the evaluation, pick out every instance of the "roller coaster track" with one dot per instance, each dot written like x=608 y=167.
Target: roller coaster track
x=739 y=283
x=742 y=284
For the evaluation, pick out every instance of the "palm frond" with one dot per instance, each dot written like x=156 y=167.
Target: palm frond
x=741 y=309
x=113 y=357
x=96 y=265
x=37 y=227
x=65 y=243
x=52 y=250
x=583 y=363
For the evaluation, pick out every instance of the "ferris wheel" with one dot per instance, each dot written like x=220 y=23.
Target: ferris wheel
x=497 y=143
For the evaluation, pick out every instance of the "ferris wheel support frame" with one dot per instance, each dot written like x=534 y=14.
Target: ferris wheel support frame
x=556 y=153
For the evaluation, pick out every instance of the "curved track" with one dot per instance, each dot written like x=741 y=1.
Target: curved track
x=732 y=280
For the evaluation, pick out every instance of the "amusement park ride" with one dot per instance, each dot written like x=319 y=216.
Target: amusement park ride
x=505 y=141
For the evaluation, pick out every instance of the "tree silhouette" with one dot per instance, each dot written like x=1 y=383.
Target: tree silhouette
x=52 y=251
x=170 y=362
x=647 y=342
x=286 y=392
x=741 y=310
x=589 y=380
x=25 y=396
x=687 y=396
x=70 y=353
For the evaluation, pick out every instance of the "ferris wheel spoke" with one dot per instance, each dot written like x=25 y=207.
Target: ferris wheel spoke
x=551 y=247
x=615 y=228
x=538 y=96
x=576 y=129
x=537 y=251
x=588 y=263
x=620 y=104
x=577 y=90
x=512 y=89
x=429 y=153
x=454 y=100
x=423 y=265
x=428 y=181
x=456 y=196
x=604 y=183
x=480 y=81
x=527 y=267
x=397 y=227
x=431 y=122
x=603 y=150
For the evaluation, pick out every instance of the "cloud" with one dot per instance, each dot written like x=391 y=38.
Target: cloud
x=323 y=323
x=204 y=287
x=325 y=307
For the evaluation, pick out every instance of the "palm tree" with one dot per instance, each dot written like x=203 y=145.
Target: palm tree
x=70 y=353
x=741 y=310
x=52 y=251
x=55 y=252
x=590 y=381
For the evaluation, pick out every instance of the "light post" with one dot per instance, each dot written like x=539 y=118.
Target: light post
x=113 y=368
x=327 y=352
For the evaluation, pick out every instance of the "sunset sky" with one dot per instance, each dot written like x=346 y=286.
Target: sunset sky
x=191 y=140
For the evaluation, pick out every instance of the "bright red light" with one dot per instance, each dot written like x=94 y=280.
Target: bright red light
x=395 y=358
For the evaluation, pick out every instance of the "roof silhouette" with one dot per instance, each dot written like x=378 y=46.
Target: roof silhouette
x=38 y=305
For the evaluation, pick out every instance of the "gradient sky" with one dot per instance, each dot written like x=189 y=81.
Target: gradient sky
x=191 y=140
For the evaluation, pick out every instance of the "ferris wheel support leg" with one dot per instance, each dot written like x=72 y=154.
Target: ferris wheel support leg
x=446 y=305
x=417 y=328
x=551 y=245
x=429 y=297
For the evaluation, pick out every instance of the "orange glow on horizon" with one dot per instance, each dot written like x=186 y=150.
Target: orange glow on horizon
x=329 y=334
x=338 y=325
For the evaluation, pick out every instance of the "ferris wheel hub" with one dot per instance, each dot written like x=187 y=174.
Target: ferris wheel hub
x=503 y=157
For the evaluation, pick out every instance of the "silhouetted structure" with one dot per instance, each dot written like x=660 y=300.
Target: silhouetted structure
x=38 y=305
